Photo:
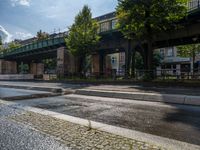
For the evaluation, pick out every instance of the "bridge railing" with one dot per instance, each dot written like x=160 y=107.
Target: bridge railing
x=33 y=46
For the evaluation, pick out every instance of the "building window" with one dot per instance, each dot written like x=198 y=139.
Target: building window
x=170 y=52
x=105 y=26
x=162 y=53
x=113 y=60
x=122 y=57
x=114 y=22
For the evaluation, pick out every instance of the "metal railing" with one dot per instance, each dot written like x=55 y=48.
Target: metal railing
x=33 y=46
x=163 y=74
x=170 y=74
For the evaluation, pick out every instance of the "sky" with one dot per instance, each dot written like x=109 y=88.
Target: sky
x=21 y=19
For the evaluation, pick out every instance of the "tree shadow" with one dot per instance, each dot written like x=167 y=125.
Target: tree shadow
x=167 y=90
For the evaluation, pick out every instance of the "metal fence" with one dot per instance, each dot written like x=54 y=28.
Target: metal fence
x=164 y=74
x=35 y=45
x=169 y=74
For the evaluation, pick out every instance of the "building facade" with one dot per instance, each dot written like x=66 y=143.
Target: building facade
x=174 y=65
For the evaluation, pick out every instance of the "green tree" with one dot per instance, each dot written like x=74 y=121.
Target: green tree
x=13 y=45
x=1 y=44
x=139 y=63
x=23 y=68
x=42 y=35
x=141 y=20
x=83 y=37
x=50 y=64
x=189 y=51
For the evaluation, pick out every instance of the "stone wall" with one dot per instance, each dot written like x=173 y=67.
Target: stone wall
x=95 y=64
x=65 y=62
x=16 y=77
x=37 y=68
x=8 y=67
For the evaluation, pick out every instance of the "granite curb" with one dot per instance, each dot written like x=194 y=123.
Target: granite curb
x=153 y=97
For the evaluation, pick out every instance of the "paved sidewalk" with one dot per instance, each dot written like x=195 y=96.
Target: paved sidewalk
x=123 y=88
x=143 y=96
x=16 y=136
x=79 y=137
x=72 y=135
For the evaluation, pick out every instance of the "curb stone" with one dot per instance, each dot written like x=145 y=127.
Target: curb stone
x=153 y=97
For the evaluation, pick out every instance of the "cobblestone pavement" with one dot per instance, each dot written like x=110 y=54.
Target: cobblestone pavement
x=17 y=136
x=79 y=137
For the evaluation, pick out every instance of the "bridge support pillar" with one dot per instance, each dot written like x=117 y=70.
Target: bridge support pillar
x=37 y=68
x=102 y=64
x=98 y=64
x=127 y=58
x=95 y=64
x=8 y=67
x=1 y=66
x=65 y=63
x=61 y=61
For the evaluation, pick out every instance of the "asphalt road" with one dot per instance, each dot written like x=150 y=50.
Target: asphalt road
x=172 y=121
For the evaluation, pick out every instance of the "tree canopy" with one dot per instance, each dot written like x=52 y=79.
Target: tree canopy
x=142 y=20
x=139 y=63
x=42 y=35
x=83 y=36
x=188 y=50
x=13 y=45
x=1 y=44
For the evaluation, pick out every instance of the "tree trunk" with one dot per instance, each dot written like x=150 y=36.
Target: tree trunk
x=81 y=69
x=193 y=61
x=127 y=60
x=133 y=64
x=150 y=59
x=101 y=64
x=145 y=57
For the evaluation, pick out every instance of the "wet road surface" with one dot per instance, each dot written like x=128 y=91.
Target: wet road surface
x=11 y=92
x=172 y=121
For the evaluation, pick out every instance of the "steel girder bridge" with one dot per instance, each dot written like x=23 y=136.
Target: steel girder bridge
x=47 y=48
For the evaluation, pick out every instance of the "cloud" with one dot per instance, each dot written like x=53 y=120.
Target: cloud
x=5 y=35
x=20 y=2
x=8 y=37
x=22 y=35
